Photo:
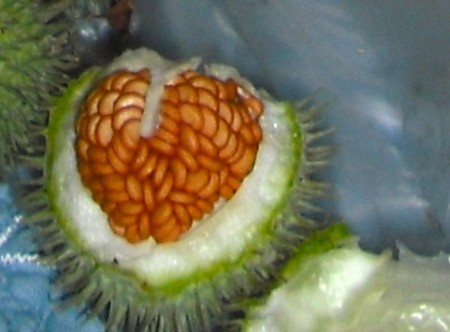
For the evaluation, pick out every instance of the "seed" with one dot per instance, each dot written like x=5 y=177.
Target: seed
x=102 y=169
x=170 y=110
x=210 y=124
x=91 y=105
x=104 y=131
x=106 y=103
x=203 y=82
x=141 y=156
x=129 y=99
x=119 y=230
x=144 y=226
x=117 y=196
x=212 y=165
x=212 y=186
x=187 y=94
x=167 y=136
x=113 y=182
x=256 y=131
x=170 y=125
x=165 y=188
x=130 y=208
x=247 y=134
x=197 y=181
x=204 y=205
x=188 y=159
x=97 y=154
x=181 y=197
x=226 y=192
x=109 y=207
x=255 y=105
x=117 y=163
x=129 y=133
x=162 y=214
x=194 y=212
x=168 y=232
x=92 y=128
x=226 y=112
x=182 y=214
x=245 y=163
x=170 y=94
x=230 y=147
x=132 y=234
x=149 y=197
x=160 y=171
x=207 y=146
x=134 y=187
x=238 y=153
x=125 y=114
x=161 y=146
x=207 y=99
x=136 y=86
x=231 y=87
x=222 y=134
x=125 y=154
x=120 y=79
x=148 y=167
x=189 y=139
x=179 y=172
x=233 y=183
x=191 y=115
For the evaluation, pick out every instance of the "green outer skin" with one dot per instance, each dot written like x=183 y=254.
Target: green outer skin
x=29 y=73
x=108 y=291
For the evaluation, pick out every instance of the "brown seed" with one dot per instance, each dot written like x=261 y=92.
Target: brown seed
x=106 y=103
x=179 y=172
x=189 y=139
x=136 y=86
x=102 y=169
x=226 y=112
x=170 y=125
x=165 y=187
x=119 y=230
x=247 y=134
x=204 y=205
x=207 y=146
x=162 y=214
x=170 y=110
x=207 y=99
x=231 y=87
x=233 y=183
x=197 y=181
x=159 y=145
x=238 y=120
x=230 y=147
x=203 y=82
x=256 y=131
x=125 y=114
x=129 y=133
x=148 y=167
x=194 y=212
x=222 y=135
x=187 y=94
x=117 y=163
x=188 y=159
x=122 y=151
x=92 y=128
x=140 y=156
x=104 y=131
x=226 y=192
x=211 y=188
x=128 y=100
x=109 y=207
x=168 y=232
x=238 y=153
x=149 y=196
x=97 y=154
x=182 y=214
x=134 y=187
x=181 y=197
x=91 y=105
x=210 y=164
x=85 y=170
x=210 y=123
x=167 y=136
x=191 y=115
x=144 y=226
x=117 y=196
x=130 y=208
x=132 y=234
x=245 y=163
x=120 y=79
x=160 y=171
x=170 y=94
x=113 y=182
x=255 y=105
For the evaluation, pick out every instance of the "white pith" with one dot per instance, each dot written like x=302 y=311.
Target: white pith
x=220 y=239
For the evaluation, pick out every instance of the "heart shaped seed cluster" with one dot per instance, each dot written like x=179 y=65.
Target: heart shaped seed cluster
x=204 y=145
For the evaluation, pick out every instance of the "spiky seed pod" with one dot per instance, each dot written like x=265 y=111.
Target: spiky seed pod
x=104 y=208
x=30 y=63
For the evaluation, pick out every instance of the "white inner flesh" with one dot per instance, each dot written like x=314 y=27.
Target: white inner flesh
x=219 y=239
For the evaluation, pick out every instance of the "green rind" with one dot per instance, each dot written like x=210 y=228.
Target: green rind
x=124 y=302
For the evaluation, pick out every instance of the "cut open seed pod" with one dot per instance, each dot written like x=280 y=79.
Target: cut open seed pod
x=169 y=190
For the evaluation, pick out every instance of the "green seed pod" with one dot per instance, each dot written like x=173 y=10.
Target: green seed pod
x=167 y=191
